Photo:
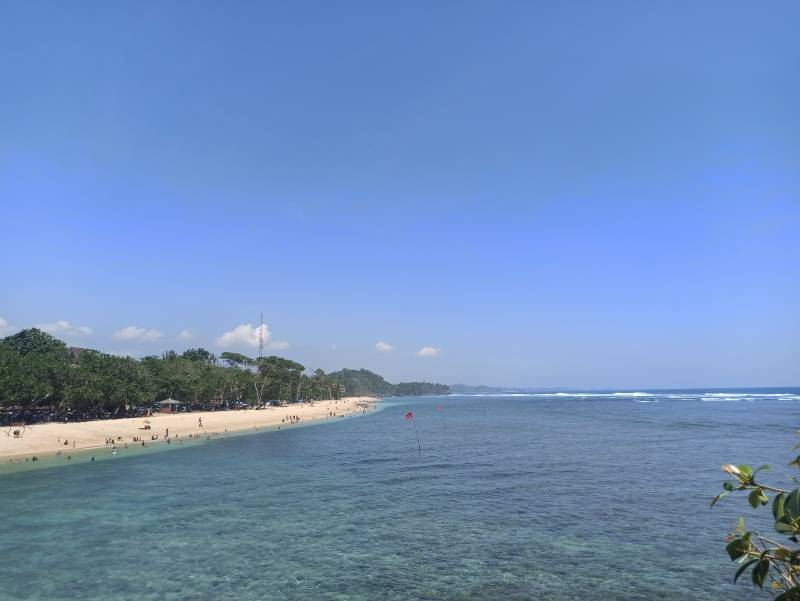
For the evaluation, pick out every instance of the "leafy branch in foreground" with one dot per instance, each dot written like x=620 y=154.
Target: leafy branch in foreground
x=770 y=562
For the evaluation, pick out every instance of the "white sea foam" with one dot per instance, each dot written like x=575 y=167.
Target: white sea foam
x=639 y=396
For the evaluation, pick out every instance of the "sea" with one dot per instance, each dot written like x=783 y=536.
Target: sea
x=541 y=496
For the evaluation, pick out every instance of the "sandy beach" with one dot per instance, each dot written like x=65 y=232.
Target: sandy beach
x=46 y=440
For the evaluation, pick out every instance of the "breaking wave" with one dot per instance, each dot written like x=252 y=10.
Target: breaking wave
x=654 y=396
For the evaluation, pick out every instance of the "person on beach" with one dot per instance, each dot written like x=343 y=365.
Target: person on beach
x=199 y=422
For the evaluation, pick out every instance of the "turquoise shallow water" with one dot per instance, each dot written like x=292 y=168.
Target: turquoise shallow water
x=532 y=497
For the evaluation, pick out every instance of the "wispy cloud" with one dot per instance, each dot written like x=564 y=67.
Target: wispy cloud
x=429 y=351
x=279 y=345
x=137 y=334
x=64 y=328
x=383 y=347
x=245 y=335
x=185 y=335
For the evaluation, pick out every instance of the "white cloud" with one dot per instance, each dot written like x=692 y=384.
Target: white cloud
x=64 y=328
x=245 y=335
x=185 y=335
x=4 y=327
x=137 y=334
x=279 y=345
x=429 y=351
x=383 y=347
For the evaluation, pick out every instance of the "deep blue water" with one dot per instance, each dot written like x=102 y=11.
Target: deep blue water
x=530 y=497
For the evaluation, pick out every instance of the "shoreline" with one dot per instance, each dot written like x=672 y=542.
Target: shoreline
x=47 y=441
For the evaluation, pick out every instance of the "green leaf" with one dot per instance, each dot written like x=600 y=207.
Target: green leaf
x=742 y=568
x=760 y=572
x=785 y=527
x=738 y=547
x=777 y=506
x=792 y=503
x=756 y=498
x=746 y=471
x=795 y=461
x=727 y=486
x=740 y=526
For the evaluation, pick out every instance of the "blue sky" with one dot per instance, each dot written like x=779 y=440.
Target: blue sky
x=545 y=194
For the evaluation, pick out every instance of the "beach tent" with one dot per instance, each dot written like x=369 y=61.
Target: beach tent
x=169 y=405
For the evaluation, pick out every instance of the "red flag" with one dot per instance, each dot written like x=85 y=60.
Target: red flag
x=409 y=415
x=439 y=407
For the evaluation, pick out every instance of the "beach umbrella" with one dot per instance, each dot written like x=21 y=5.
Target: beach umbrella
x=410 y=417
x=440 y=409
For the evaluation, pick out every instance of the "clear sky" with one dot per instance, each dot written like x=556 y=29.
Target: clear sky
x=573 y=194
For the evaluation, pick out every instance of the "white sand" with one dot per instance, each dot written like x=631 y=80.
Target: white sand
x=45 y=440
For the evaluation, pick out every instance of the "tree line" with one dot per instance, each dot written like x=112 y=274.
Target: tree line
x=40 y=374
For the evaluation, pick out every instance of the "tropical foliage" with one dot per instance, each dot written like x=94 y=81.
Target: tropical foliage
x=39 y=373
x=772 y=563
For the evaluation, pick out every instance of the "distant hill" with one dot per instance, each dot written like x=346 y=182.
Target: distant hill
x=362 y=382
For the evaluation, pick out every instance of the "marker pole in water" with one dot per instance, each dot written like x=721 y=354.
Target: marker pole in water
x=410 y=416
x=440 y=409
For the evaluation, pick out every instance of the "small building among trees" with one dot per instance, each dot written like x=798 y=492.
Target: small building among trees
x=169 y=405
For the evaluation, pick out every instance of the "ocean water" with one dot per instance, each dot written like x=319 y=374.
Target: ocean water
x=545 y=497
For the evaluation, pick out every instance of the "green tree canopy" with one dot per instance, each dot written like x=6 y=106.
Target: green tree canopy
x=38 y=370
x=199 y=354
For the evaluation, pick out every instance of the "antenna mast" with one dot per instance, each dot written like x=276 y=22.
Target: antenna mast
x=260 y=380
x=261 y=339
